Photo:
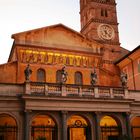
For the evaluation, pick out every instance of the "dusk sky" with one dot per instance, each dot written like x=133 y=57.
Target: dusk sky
x=22 y=15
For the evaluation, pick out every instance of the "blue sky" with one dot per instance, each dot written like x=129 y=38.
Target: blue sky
x=22 y=15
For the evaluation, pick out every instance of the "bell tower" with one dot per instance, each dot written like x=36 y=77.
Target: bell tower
x=99 y=21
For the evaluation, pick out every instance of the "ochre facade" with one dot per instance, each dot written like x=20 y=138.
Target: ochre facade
x=78 y=54
x=60 y=84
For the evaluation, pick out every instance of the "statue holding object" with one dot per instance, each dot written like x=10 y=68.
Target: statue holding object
x=64 y=74
x=93 y=77
x=27 y=73
x=123 y=78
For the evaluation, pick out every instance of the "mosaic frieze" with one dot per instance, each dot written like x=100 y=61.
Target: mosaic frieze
x=48 y=57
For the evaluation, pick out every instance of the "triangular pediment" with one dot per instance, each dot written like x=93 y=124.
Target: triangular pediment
x=58 y=34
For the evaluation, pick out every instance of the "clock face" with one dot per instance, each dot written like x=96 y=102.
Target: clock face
x=106 y=32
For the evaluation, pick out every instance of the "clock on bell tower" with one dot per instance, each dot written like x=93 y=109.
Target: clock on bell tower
x=99 y=21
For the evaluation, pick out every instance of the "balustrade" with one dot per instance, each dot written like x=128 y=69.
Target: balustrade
x=104 y=92
x=118 y=92
x=53 y=89
x=72 y=90
x=37 y=88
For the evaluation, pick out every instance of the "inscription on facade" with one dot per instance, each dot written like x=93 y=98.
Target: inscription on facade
x=48 y=57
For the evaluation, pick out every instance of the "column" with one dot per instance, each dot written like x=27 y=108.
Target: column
x=98 y=129
x=128 y=125
x=26 y=125
x=64 y=125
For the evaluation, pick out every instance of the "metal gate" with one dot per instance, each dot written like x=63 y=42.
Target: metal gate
x=110 y=132
x=46 y=132
x=79 y=126
x=8 y=132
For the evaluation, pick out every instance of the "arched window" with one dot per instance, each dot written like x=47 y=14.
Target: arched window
x=78 y=78
x=58 y=76
x=41 y=76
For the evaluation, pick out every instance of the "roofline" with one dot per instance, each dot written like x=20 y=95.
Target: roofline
x=138 y=47
x=50 y=26
x=12 y=49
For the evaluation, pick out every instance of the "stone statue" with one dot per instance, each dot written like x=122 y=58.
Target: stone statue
x=93 y=77
x=64 y=74
x=27 y=73
x=123 y=78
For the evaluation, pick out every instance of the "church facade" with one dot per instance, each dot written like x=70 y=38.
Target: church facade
x=60 y=84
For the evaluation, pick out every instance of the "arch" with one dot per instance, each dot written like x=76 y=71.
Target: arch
x=110 y=128
x=135 y=125
x=41 y=75
x=78 y=128
x=78 y=77
x=44 y=126
x=58 y=76
x=8 y=127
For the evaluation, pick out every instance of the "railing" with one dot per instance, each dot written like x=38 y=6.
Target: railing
x=67 y=90
x=72 y=90
x=53 y=89
x=118 y=92
x=87 y=91
x=37 y=88
x=104 y=92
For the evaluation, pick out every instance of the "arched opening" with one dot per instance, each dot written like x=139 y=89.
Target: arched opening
x=135 y=124
x=43 y=126
x=41 y=75
x=110 y=130
x=8 y=128
x=78 y=78
x=58 y=76
x=78 y=128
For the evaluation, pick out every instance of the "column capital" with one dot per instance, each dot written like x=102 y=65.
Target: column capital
x=27 y=111
x=128 y=113
x=64 y=112
x=98 y=113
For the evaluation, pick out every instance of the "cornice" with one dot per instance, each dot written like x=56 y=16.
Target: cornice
x=104 y=2
x=108 y=42
x=99 y=21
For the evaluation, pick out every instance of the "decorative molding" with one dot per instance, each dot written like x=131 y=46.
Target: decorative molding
x=99 y=21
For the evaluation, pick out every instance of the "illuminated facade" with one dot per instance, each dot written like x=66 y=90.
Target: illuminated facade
x=59 y=84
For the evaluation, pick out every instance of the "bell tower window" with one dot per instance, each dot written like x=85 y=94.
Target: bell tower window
x=104 y=13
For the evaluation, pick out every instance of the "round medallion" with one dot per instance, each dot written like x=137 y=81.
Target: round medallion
x=78 y=123
x=106 y=32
